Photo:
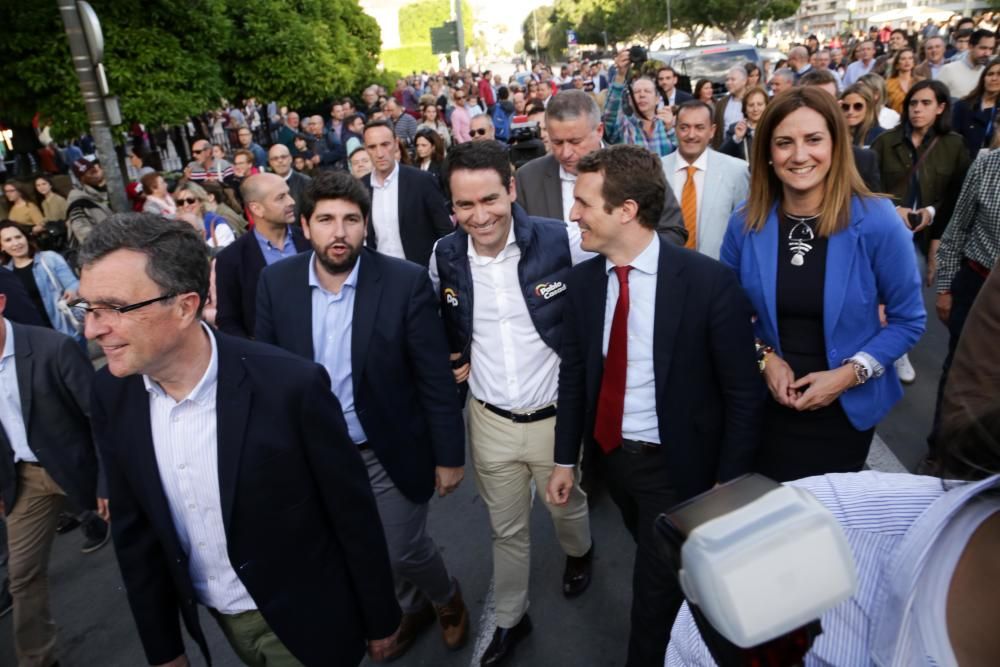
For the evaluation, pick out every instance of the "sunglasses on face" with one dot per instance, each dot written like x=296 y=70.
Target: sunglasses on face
x=857 y=106
x=196 y=151
x=481 y=132
x=187 y=201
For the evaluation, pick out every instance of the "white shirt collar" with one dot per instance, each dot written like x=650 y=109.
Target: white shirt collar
x=352 y=278
x=389 y=181
x=511 y=240
x=701 y=163
x=647 y=261
x=206 y=385
x=566 y=176
x=8 y=343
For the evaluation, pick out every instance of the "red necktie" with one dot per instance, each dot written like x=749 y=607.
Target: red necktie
x=611 y=400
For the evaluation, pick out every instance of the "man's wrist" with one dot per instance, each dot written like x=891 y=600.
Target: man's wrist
x=565 y=465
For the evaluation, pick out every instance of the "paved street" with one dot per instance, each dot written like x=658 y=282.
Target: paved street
x=96 y=628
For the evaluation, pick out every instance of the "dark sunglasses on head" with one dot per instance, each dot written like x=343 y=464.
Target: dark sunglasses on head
x=857 y=106
x=187 y=201
x=481 y=132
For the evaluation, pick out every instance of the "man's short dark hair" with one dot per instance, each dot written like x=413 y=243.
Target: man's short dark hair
x=691 y=105
x=474 y=156
x=980 y=34
x=334 y=185
x=665 y=68
x=177 y=256
x=818 y=77
x=964 y=33
x=350 y=120
x=630 y=172
x=379 y=123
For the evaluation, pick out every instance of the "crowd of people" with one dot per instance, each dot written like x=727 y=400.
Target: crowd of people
x=592 y=277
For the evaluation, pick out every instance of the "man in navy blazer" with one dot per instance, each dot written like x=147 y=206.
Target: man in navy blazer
x=408 y=209
x=658 y=371
x=232 y=480
x=273 y=238
x=372 y=322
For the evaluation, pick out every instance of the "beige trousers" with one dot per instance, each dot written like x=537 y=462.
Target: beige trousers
x=31 y=527
x=507 y=457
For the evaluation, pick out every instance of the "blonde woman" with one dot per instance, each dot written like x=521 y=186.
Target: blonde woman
x=859 y=111
x=193 y=207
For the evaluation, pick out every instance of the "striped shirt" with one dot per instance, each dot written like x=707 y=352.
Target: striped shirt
x=974 y=229
x=891 y=520
x=622 y=129
x=186 y=448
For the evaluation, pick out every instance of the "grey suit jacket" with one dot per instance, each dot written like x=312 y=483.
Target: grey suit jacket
x=727 y=182
x=539 y=191
x=54 y=379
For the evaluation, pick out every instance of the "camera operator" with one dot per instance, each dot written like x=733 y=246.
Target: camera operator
x=648 y=126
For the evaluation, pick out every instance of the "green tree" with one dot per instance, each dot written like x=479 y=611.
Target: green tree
x=167 y=60
x=735 y=16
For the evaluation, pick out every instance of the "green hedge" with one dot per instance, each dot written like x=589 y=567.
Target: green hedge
x=410 y=59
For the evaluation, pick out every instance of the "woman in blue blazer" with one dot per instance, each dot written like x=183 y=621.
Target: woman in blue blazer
x=817 y=253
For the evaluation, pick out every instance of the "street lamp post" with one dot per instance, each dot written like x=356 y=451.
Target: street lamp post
x=86 y=46
x=670 y=28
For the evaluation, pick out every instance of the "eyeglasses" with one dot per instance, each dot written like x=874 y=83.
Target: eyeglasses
x=857 y=106
x=82 y=308
x=187 y=201
x=459 y=98
x=481 y=132
x=196 y=151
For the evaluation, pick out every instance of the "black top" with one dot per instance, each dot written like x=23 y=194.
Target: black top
x=800 y=295
x=27 y=278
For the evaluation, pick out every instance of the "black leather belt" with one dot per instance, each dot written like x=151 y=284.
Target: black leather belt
x=521 y=417
x=639 y=447
x=33 y=464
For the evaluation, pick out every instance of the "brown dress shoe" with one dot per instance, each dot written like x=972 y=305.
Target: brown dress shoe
x=410 y=628
x=454 y=619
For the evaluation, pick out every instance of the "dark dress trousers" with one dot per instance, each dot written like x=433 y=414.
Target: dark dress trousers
x=539 y=192
x=237 y=269
x=54 y=381
x=302 y=530
x=709 y=401
x=423 y=214
x=404 y=391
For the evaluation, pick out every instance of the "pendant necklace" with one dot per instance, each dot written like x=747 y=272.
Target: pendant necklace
x=799 y=237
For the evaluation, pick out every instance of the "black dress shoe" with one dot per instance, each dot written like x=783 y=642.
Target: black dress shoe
x=66 y=523
x=576 y=577
x=503 y=642
x=96 y=534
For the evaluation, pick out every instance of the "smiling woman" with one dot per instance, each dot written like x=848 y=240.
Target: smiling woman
x=817 y=253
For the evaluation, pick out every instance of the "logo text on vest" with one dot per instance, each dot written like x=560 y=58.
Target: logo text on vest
x=549 y=290
x=451 y=296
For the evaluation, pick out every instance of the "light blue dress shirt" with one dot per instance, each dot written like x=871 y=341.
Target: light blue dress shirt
x=271 y=252
x=639 y=422
x=332 y=321
x=11 y=415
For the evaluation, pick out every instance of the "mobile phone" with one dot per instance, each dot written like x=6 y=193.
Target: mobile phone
x=915 y=218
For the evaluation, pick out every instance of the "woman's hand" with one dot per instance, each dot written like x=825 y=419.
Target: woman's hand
x=740 y=131
x=818 y=390
x=779 y=377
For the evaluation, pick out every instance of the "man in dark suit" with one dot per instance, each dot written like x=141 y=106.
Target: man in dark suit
x=238 y=266
x=279 y=158
x=408 y=209
x=545 y=185
x=373 y=324
x=46 y=454
x=231 y=475
x=668 y=389
x=666 y=86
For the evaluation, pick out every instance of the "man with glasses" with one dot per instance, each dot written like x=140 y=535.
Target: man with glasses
x=234 y=482
x=481 y=128
x=46 y=456
x=206 y=167
x=279 y=158
x=245 y=137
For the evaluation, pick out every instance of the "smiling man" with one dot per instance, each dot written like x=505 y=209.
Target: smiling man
x=231 y=473
x=375 y=328
x=657 y=373
x=501 y=278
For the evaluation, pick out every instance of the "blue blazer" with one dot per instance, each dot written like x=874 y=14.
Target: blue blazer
x=869 y=263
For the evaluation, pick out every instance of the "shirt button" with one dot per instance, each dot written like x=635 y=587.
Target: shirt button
x=181 y=466
x=212 y=578
x=175 y=419
x=191 y=506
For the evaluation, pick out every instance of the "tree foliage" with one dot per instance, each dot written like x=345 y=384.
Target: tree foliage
x=167 y=60
x=735 y=16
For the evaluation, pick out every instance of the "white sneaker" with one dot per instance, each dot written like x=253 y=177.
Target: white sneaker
x=905 y=370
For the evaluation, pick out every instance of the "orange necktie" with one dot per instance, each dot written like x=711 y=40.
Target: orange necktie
x=689 y=208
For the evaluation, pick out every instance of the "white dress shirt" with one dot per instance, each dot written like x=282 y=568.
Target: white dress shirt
x=385 y=214
x=680 y=177
x=185 y=443
x=11 y=414
x=639 y=421
x=567 y=181
x=733 y=112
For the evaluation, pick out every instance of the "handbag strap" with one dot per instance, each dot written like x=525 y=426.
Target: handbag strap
x=919 y=163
